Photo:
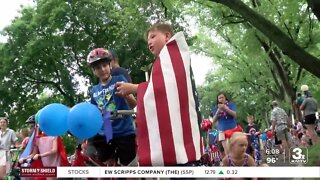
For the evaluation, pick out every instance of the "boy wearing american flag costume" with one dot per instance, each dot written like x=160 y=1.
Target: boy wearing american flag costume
x=167 y=106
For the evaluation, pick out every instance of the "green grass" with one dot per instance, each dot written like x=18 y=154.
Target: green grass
x=314 y=155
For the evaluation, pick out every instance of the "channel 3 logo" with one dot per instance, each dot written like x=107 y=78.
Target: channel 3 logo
x=298 y=155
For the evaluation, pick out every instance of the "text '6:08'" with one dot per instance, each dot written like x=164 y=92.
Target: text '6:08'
x=272 y=151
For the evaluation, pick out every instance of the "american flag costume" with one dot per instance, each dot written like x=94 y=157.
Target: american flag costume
x=167 y=109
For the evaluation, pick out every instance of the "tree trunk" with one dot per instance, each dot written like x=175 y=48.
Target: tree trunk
x=287 y=45
x=297 y=113
x=267 y=120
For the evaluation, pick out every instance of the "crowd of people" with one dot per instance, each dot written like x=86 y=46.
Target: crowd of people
x=305 y=133
x=116 y=91
x=282 y=134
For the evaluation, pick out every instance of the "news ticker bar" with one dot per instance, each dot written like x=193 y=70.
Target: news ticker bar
x=165 y=172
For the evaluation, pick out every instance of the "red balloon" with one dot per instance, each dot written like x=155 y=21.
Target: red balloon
x=206 y=124
x=269 y=134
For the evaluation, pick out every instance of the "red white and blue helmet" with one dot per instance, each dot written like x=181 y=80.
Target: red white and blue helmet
x=31 y=119
x=99 y=54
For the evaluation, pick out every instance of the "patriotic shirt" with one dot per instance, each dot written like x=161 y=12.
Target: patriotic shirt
x=226 y=121
x=105 y=98
x=167 y=115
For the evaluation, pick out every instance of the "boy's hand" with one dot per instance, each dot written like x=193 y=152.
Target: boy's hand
x=124 y=89
x=22 y=160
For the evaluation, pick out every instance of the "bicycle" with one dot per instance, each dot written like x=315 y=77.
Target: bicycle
x=81 y=159
x=14 y=170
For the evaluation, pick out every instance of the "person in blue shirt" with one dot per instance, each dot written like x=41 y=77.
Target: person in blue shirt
x=225 y=112
x=122 y=147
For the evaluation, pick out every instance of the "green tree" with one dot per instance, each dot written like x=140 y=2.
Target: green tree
x=254 y=67
x=288 y=46
x=48 y=45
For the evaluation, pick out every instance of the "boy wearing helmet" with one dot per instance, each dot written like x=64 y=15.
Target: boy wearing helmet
x=103 y=95
x=31 y=121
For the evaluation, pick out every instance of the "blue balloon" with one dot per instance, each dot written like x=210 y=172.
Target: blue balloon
x=264 y=136
x=53 y=119
x=36 y=118
x=85 y=120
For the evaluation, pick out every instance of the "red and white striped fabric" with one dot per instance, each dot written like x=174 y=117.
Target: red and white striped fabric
x=167 y=121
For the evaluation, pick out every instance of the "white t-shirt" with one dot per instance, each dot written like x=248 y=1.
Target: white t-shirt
x=7 y=138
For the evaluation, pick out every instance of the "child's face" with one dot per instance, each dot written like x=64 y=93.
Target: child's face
x=102 y=70
x=21 y=134
x=157 y=40
x=250 y=120
x=240 y=146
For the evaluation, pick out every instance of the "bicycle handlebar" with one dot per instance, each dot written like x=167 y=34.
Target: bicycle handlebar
x=124 y=112
x=120 y=113
x=15 y=150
